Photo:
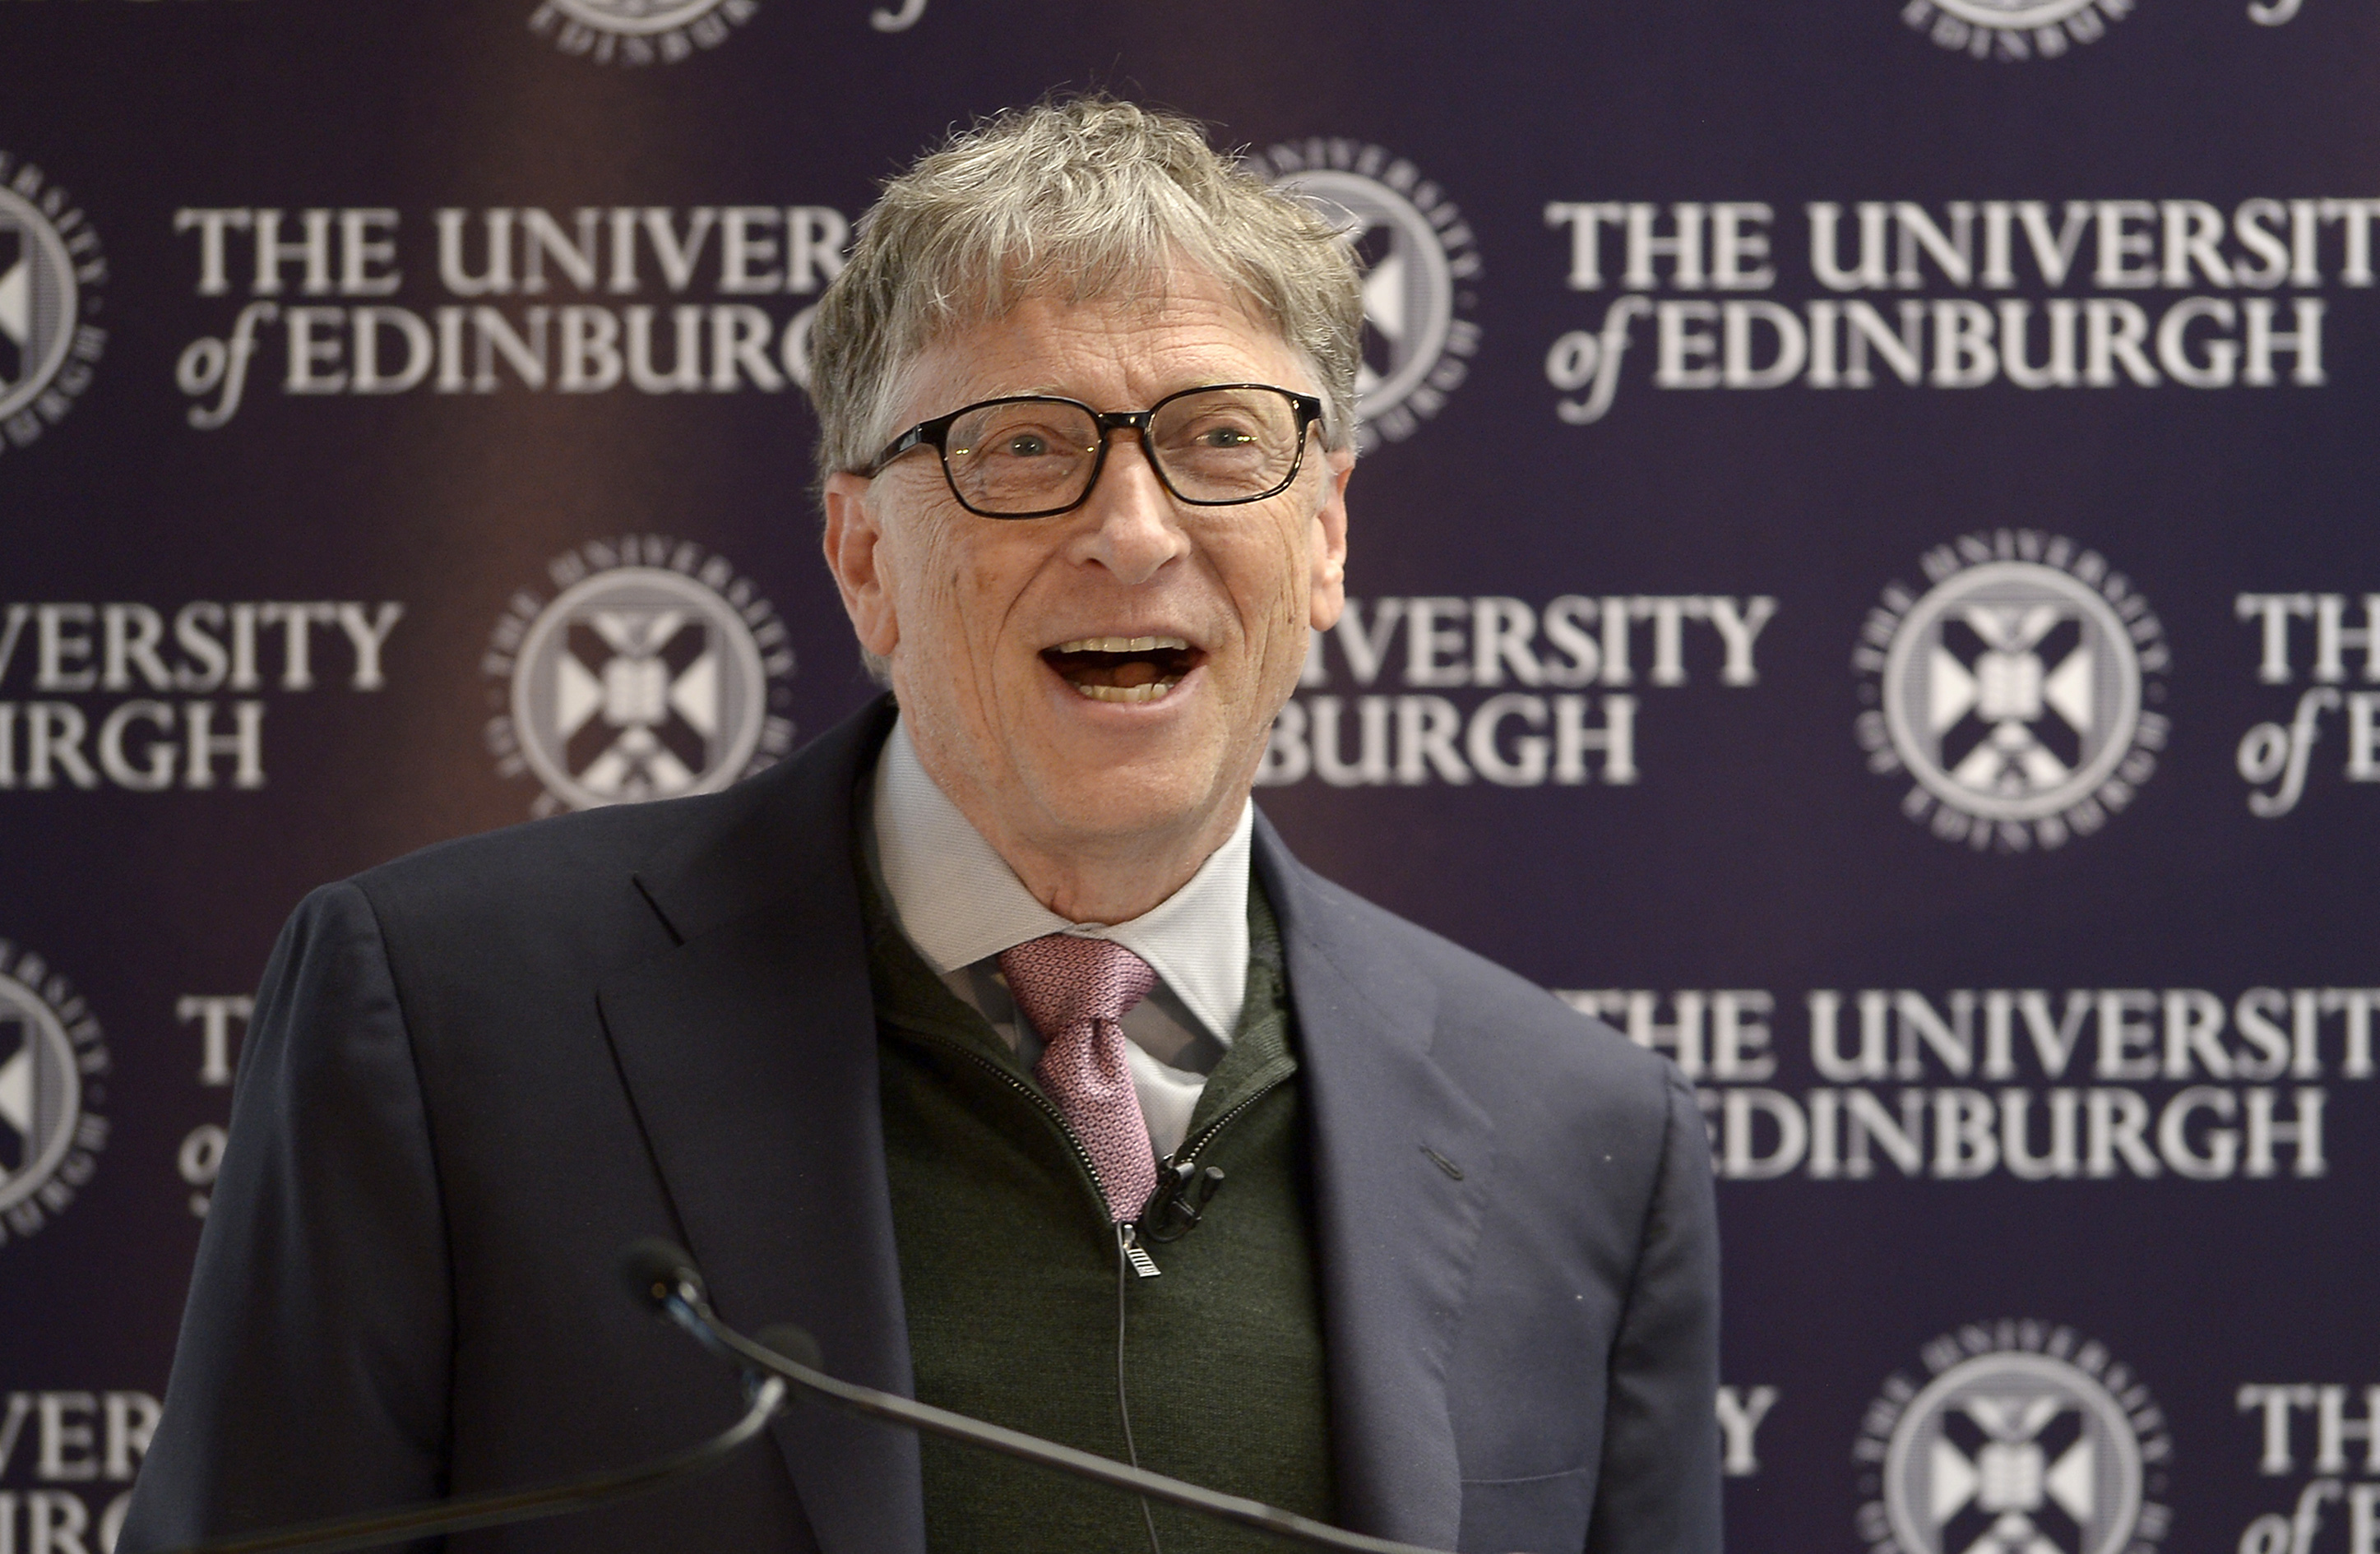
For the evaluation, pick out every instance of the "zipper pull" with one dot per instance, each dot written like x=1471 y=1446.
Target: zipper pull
x=1142 y=1263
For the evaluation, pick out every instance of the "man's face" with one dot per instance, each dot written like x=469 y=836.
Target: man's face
x=985 y=620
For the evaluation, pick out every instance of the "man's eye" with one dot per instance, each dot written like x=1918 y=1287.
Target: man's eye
x=1025 y=445
x=1225 y=437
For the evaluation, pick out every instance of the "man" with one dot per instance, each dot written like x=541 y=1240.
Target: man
x=993 y=1037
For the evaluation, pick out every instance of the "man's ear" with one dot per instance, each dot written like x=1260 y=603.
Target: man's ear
x=854 y=548
x=1330 y=542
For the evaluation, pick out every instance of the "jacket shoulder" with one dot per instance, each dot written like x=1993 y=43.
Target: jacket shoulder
x=540 y=867
x=731 y=846
x=1497 y=1033
x=554 y=906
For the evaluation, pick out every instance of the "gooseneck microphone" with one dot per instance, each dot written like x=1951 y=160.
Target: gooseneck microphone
x=668 y=1278
x=664 y=1279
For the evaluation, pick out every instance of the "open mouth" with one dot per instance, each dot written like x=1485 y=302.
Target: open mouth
x=1124 y=668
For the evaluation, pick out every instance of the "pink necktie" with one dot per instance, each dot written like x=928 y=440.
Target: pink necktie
x=1076 y=992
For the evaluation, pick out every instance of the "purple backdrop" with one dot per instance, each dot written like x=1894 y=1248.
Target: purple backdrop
x=1865 y=579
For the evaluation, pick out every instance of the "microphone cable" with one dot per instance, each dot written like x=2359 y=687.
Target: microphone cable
x=665 y=1280
x=789 y=1352
x=1124 y=1404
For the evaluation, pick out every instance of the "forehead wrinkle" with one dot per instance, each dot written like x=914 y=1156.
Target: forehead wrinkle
x=1109 y=310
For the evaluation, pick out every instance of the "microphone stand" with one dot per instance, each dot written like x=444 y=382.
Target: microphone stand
x=667 y=1277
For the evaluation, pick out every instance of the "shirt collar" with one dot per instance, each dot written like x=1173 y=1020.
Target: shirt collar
x=959 y=902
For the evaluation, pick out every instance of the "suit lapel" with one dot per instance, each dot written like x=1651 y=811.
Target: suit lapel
x=749 y=1050
x=1396 y=1231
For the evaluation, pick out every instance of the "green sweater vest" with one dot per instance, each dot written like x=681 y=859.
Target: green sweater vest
x=1010 y=1271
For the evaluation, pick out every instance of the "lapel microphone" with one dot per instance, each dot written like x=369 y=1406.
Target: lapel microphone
x=665 y=1279
x=1178 y=1205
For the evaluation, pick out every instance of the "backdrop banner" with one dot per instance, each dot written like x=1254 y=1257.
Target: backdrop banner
x=1857 y=583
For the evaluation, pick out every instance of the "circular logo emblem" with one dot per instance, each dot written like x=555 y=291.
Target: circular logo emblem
x=645 y=17
x=639 y=31
x=1417 y=256
x=2013 y=691
x=52 y=1054
x=51 y=269
x=2014 y=28
x=2014 y=13
x=2026 y=1440
x=655 y=671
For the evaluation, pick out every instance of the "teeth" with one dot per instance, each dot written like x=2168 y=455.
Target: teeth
x=1149 y=692
x=1120 y=644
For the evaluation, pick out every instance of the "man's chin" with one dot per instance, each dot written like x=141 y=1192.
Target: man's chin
x=1102 y=801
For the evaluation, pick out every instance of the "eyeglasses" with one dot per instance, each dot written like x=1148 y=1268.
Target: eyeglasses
x=1035 y=456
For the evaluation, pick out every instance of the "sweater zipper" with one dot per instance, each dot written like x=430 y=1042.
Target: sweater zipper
x=1128 y=1242
x=1047 y=1109
x=1169 y=1206
x=1127 y=1233
x=1189 y=1153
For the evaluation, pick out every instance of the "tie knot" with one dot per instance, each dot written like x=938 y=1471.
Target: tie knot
x=1063 y=981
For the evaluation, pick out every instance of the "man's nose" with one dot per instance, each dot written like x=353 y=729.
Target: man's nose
x=1135 y=530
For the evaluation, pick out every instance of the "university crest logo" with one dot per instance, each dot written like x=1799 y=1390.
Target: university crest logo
x=51 y=271
x=655 y=671
x=639 y=31
x=1418 y=257
x=2027 y=1440
x=2016 y=691
x=2013 y=30
x=54 y=1062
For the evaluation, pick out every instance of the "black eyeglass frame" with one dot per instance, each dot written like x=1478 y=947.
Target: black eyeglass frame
x=934 y=433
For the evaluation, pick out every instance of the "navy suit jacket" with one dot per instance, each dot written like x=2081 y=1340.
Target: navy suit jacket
x=474 y=1073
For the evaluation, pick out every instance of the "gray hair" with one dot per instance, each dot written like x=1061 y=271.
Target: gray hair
x=1079 y=198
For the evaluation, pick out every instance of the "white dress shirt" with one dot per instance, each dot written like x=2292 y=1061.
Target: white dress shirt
x=960 y=905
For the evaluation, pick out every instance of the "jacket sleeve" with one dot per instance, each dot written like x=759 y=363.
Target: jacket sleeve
x=312 y=1378
x=1659 y=1484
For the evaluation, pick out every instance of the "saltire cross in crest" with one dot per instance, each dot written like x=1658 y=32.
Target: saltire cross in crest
x=2009 y=696
x=2013 y=1475
x=17 y=1143
x=1380 y=254
x=637 y=702
x=16 y=304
